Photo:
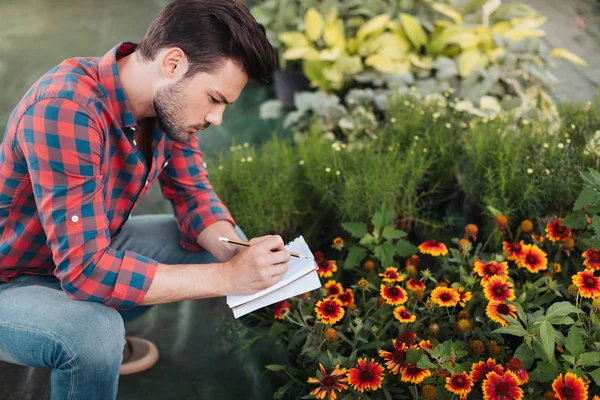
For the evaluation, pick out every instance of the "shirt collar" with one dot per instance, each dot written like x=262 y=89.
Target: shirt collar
x=108 y=75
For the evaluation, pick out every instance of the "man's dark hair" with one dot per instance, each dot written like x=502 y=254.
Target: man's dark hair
x=210 y=31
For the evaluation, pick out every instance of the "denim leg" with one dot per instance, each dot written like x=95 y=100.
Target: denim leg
x=81 y=341
x=157 y=236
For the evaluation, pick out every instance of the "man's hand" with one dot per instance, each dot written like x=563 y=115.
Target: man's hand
x=256 y=267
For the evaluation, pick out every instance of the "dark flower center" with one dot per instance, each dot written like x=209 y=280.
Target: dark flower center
x=595 y=256
x=399 y=357
x=366 y=376
x=394 y=291
x=515 y=247
x=328 y=381
x=344 y=297
x=502 y=389
x=559 y=229
x=329 y=309
x=445 y=297
x=590 y=282
x=503 y=309
x=459 y=381
x=405 y=314
x=334 y=290
x=499 y=290
x=515 y=364
x=531 y=259
x=567 y=393
x=491 y=269
x=412 y=369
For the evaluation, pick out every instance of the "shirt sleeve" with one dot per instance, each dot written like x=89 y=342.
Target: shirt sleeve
x=184 y=182
x=63 y=150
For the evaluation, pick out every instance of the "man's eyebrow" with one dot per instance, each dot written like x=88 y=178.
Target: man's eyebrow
x=222 y=98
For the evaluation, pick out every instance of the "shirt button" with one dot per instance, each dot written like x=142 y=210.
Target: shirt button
x=166 y=163
x=204 y=164
x=147 y=183
x=74 y=218
x=134 y=142
x=132 y=129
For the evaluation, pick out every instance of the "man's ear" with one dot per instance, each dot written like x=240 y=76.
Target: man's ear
x=174 y=63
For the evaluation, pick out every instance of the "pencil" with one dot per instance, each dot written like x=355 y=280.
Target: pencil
x=224 y=239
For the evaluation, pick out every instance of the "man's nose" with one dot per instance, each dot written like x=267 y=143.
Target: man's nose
x=214 y=118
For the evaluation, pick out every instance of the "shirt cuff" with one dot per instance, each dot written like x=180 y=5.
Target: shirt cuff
x=133 y=281
x=198 y=220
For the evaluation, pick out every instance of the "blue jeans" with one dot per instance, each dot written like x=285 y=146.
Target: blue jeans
x=82 y=341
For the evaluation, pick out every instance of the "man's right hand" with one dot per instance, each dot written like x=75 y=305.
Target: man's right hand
x=256 y=267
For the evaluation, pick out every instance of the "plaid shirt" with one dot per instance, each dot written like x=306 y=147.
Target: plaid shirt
x=71 y=174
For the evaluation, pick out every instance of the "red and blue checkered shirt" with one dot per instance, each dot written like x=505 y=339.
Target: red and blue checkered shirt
x=71 y=174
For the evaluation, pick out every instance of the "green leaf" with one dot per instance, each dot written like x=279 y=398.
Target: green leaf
x=596 y=224
x=595 y=374
x=356 y=229
x=525 y=354
x=425 y=363
x=557 y=310
x=566 y=320
x=413 y=356
x=383 y=217
x=568 y=358
x=279 y=393
x=576 y=220
x=404 y=248
x=473 y=6
x=387 y=394
x=515 y=330
x=390 y=233
x=275 y=367
x=367 y=239
x=371 y=345
x=547 y=337
x=588 y=196
x=385 y=253
x=589 y=359
x=574 y=343
x=545 y=372
x=355 y=256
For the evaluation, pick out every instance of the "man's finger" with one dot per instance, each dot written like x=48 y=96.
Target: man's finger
x=277 y=270
x=278 y=257
x=274 y=242
x=258 y=239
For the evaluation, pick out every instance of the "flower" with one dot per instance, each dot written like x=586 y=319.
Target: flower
x=415 y=285
x=346 y=297
x=489 y=269
x=338 y=243
x=391 y=275
x=428 y=392
x=445 y=297
x=572 y=388
x=534 y=259
x=516 y=366
x=463 y=325
x=495 y=309
x=281 y=309
x=330 y=383
x=413 y=261
x=513 y=251
x=366 y=377
x=459 y=384
x=471 y=232
x=464 y=296
x=526 y=226
x=404 y=316
x=333 y=288
x=587 y=283
x=363 y=283
x=329 y=311
x=330 y=334
x=410 y=373
x=498 y=288
x=502 y=223
x=433 y=248
x=591 y=259
x=556 y=267
x=326 y=268
x=537 y=238
x=394 y=295
x=464 y=246
x=504 y=386
x=318 y=256
x=395 y=360
x=476 y=348
x=369 y=265
x=480 y=370
x=568 y=244
x=555 y=231
x=407 y=337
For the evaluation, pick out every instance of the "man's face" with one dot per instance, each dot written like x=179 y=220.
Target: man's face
x=192 y=104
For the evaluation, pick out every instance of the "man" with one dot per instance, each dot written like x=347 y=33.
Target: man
x=81 y=149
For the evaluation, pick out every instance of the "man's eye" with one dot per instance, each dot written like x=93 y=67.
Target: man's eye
x=213 y=100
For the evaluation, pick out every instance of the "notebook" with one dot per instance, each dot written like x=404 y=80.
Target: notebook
x=301 y=277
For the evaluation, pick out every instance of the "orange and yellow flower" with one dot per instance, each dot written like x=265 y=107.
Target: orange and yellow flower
x=503 y=386
x=363 y=283
x=281 y=309
x=330 y=383
x=534 y=259
x=326 y=268
x=415 y=285
x=495 y=310
x=471 y=232
x=464 y=296
x=513 y=251
x=515 y=366
x=538 y=238
x=498 y=288
x=366 y=377
x=410 y=373
x=571 y=388
x=394 y=360
x=556 y=232
x=393 y=295
x=346 y=297
x=459 y=384
x=488 y=269
x=338 y=243
x=587 y=283
x=391 y=275
x=434 y=248
x=403 y=315
x=445 y=296
x=480 y=370
x=333 y=288
x=329 y=310
x=591 y=259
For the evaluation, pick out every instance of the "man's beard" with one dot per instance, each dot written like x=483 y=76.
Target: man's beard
x=169 y=109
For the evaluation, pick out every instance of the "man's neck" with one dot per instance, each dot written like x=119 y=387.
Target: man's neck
x=135 y=78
